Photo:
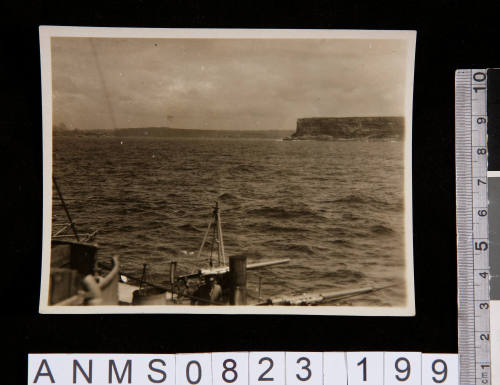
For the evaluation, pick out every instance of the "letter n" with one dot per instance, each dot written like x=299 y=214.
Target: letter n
x=88 y=377
x=112 y=369
x=48 y=373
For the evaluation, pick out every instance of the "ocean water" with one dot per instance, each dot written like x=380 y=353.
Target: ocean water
x=335 y=208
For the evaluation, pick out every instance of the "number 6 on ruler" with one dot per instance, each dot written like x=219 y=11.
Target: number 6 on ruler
x=365 y=368
x=267 y=368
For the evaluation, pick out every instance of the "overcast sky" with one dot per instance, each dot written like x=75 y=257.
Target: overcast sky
x=238 y=84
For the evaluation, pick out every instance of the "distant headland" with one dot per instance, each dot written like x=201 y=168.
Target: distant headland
x=168 y=132
x=377 y=127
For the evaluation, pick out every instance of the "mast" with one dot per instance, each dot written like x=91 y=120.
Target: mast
x=221 y=240
x=216 y=238
x=73 y=227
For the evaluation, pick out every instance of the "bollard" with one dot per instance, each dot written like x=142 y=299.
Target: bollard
x=238 y=279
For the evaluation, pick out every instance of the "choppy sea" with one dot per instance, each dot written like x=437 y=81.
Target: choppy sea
x=335 y=208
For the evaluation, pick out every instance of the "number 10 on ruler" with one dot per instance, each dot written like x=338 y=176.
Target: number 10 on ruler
x=243 y=368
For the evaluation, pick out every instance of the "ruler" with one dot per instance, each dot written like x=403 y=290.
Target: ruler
x=472 y=226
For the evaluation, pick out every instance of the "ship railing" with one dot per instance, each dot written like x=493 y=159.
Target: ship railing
x=61 y=229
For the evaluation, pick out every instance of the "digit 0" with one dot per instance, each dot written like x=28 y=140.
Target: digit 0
x=188 y=375
x=479 y=77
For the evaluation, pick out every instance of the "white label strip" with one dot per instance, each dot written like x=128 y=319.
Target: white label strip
x=243 y=368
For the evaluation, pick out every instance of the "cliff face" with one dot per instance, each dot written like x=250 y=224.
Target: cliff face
x=380 y=127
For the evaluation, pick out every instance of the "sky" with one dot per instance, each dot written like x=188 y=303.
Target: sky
x=228 y=84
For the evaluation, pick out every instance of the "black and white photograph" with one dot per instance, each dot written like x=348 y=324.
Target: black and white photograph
x=227 y=171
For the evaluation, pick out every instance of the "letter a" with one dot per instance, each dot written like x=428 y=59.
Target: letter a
x=39 y=373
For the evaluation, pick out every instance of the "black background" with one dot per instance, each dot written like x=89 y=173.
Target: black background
x=493 y=120
x=450 y=35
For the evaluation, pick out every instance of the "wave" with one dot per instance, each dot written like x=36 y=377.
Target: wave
x=344 y=274
x=299 y=248
x=281 y=213
x=352 y=198
x=357 y=199
x=228 y=197
x=269 y=227
x=342 y=242
x=381 y=230
x=189 y=227
x=245 y=169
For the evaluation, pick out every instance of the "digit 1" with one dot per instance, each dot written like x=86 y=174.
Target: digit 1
x=363 y=362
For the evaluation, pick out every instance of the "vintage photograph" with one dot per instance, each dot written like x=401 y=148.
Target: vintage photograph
x=227 y=171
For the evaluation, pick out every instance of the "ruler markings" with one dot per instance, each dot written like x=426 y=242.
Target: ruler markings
x=463 y=154
x=472 y=226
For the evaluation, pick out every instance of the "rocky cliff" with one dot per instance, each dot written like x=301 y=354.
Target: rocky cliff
x=379 y=127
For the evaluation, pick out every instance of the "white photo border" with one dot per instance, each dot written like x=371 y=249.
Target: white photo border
x=47 y=32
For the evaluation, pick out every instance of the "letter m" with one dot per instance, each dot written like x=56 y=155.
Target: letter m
x=126 y=369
